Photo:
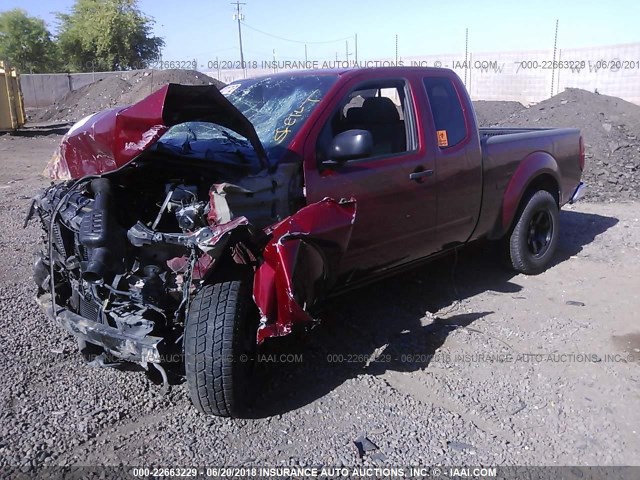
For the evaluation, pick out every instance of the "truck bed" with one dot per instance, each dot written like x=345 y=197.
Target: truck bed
x=506 y=150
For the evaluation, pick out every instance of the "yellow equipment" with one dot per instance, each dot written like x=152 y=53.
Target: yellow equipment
x=12 y=114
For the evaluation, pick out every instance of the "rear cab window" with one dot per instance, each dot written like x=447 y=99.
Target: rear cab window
x=451 y=128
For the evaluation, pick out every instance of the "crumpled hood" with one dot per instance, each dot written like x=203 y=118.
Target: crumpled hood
x=110 y=139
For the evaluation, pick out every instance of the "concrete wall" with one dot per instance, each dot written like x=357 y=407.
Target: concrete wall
x=488 y=75
x=504 y=76
x=44 y=89
x=613 y=70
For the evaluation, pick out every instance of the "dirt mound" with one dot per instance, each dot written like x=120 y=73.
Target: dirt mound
x=118 y=90
x=611 y=130
x=490 y=113
x=86 y=100
x=144 y=83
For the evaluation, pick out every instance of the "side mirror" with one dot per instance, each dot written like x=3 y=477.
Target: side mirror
x=349 y=145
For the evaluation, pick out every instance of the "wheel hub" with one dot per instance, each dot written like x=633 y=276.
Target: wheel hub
x=540 y=233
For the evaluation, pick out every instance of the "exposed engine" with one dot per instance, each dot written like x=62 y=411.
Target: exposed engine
x=128 y=249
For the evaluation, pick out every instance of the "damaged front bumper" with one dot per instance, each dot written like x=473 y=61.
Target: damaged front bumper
x=142 y=350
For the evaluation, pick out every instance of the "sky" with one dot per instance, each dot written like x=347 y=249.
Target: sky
x=205 y=29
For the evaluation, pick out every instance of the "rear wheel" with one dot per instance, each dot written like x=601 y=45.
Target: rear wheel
x=219 y=343
x=534 y=238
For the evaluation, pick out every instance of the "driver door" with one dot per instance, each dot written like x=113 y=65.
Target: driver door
x=393 y=187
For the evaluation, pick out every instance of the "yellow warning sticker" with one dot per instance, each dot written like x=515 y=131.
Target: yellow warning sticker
x=442 y=138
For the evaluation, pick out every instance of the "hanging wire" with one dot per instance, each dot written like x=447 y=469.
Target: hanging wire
x=295 y=41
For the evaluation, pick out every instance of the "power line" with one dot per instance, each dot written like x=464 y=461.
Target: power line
x=255 y=52
x=295 y=41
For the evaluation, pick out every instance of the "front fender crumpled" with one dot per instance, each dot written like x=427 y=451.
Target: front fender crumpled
x=300 y=263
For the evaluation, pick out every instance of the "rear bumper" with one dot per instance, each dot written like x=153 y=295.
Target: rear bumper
x=121 y=344
x=579 y=193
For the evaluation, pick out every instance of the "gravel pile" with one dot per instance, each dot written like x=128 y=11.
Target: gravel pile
x=113 y=91
x=611 y=130
x=144 y=83
x=490 y=113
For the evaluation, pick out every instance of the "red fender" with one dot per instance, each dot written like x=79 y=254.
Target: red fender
x=304 y=249
x=531 y=167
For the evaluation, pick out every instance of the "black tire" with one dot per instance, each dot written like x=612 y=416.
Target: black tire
x=219 y=347
x=534 y=238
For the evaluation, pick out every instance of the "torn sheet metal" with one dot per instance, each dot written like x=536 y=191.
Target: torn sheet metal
x=110 y=139
x=301 y=261
x=265 y=198
x=201 y=267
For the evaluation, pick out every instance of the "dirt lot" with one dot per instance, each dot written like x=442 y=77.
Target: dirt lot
x=459 y=363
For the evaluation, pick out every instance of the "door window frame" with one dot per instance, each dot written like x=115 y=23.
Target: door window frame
x=409 y=114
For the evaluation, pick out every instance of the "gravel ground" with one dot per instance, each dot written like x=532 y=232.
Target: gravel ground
x=468 y=364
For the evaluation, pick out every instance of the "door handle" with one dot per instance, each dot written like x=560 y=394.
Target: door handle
x=418 y=175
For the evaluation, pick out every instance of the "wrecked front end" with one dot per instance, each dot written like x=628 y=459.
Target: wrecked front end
x=161 y=213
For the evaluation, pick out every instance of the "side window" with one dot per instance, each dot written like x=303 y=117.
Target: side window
x=379 y=107
x=447 y=111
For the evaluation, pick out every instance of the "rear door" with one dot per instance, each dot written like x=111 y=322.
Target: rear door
x=396 y=215
x=458 y=160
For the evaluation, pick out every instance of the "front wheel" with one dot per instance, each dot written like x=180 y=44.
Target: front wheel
x=534 y=238
x=219 y=347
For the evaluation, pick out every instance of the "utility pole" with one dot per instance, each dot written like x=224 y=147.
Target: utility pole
x=356 y=49
x=466 y=54
x=396 y=49
x=239 y=17
x=555 y=47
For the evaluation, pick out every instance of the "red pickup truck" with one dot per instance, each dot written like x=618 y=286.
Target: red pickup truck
x=199 y=222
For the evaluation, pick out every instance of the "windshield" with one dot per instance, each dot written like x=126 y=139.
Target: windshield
x=278 y=106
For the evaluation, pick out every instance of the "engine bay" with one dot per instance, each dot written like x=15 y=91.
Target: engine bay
x=129 y=248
